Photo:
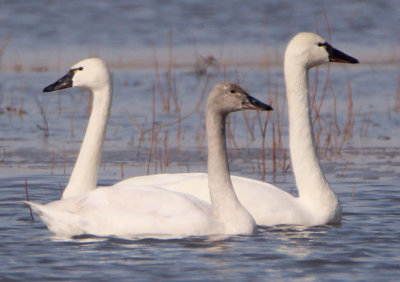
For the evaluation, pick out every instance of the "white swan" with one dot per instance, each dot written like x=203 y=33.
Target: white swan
x=317 y=204
x=150 y=211
x=93 y=75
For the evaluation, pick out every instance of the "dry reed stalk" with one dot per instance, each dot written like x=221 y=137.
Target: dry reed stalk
x=365 y=124
x=152 y=132
x=280 y=115
x=65 y=160
x=331 y=140
x=76 y=109
x=279 y=120
x=344 y=168
x=27 y=199
x=194 y=110
x=21 y=112
x=11 y=107
x=250 y=128
x=263 y=149
x=117 y=126
x=273 y=149
x=397 y=97
x=158 y=161
x=259 y=167
x=122 y=171
x=328 y=27
x=350 y=111
x=141 y=139
x=45 y=127
x=178 y=131
x=141 y=130
x=166 y=150
x=60 y=189
x=263 y=125
x=322 y=99
x=317 y=137
x=59 y=108
x=158 y=155
x=336 y=124
x=171 y=79
x=159 y=85
x=348 y=129
x=167 y=104
x=155 y=153
x=364 y=121
x=316 y=109
x=285 y=167
x=175 y=92
x=328 y=141
x=268 y=72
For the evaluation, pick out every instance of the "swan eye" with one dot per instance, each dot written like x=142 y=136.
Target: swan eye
x=233 y=91
x=77 y=69
x=322 y=44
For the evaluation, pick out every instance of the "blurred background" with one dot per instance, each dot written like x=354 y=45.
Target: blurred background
x=44 y=34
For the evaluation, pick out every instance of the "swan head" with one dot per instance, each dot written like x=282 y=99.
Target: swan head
x=228 y=97
x=90 y=73
x=310 y=50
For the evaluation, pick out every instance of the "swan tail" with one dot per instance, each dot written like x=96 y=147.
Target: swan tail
x=59 y=222
x=38 y=208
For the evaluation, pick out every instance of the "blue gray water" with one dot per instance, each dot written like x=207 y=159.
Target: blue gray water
x=41 y=133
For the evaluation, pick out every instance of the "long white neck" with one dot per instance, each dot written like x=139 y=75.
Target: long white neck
x=310 y=180
x=225 y=205
x=84 y=174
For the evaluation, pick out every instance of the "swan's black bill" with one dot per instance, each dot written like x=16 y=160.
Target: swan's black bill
x=63 y=82
x=338 y=56
x=252 y=103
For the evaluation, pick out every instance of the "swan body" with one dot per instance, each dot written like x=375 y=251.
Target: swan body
x=317 y=204
x=150 y=210
x=262 y=200
x=126 y=211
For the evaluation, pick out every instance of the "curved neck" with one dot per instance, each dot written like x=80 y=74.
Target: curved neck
x=218 y=168
x=225 y=205
x=84 y=175
x=310 y=180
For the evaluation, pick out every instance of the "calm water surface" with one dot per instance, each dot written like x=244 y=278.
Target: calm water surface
x=358 y=133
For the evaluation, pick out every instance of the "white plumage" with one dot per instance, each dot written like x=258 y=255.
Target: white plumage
x=148 y=210
x=317 y=204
